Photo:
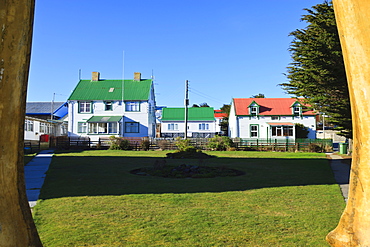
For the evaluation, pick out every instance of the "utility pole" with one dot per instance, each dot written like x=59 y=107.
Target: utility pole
x=186 y=108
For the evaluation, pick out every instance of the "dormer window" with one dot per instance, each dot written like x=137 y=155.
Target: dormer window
x=296 y=111
x=253 y=110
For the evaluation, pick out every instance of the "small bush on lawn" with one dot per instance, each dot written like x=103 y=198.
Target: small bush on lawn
x=145 y=144
x=118 y=143
x=162 y=144
x=220 y=143
x=184 y=145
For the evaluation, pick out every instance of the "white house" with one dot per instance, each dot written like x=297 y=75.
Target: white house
x=100 y=108
x=201 y=122
x=45 y=118
x=269 y=118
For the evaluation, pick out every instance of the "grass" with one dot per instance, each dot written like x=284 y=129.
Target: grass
x=284 y=199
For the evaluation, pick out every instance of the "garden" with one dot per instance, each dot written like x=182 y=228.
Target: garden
x=92 y=198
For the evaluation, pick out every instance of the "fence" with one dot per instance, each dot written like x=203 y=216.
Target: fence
x=291 y=145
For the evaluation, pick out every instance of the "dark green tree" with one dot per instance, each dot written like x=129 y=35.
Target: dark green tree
x=225 y=121
x=260 y=95
x=301 y=131
x=317 y=72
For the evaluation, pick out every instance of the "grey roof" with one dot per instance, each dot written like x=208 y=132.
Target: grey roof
x=42 y=107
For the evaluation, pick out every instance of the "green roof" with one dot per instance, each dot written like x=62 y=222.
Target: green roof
x=97 y=119
x=194 y=114
x=111 y=90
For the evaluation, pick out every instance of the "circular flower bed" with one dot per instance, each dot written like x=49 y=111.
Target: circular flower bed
x=187 y=171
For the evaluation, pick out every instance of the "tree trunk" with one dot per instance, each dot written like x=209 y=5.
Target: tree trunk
x=16 y=22
x=354 y=29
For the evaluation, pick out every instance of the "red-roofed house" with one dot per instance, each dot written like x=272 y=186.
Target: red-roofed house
x=269 y=118
x=219 y=117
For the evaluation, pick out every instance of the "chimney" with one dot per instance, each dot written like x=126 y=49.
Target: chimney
x=95 y=76
x=137 y=76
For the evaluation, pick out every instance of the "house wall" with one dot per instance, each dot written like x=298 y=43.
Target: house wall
x=233 y=123
x=193 y=127
x=264 y=129
x=145 y=117
x=34 y=133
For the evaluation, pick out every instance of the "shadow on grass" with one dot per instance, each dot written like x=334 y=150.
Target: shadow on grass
x=110 y=175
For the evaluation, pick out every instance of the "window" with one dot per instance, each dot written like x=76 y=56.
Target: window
x=274 y=117
x=203 y=126
x=133 y=106
x=253 y=110
x=28 y=126
x=254 y=130
x=43 y=128
x=282 y=131
x=132 y=127
x=84 y=107
x=172 y=126
x=82 y=128
x=108 y=105
x=103 y=128
x=296 y=111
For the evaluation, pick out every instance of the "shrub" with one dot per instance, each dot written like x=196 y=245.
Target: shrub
x=162 y=144
x=184 y=145
x=118 y=143
x=313 y=147
x=145 y=144
x=220 y=143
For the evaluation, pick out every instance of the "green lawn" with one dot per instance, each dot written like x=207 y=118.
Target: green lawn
x=284 y=199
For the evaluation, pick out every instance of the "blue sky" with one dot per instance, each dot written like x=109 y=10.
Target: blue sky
x=226 y=49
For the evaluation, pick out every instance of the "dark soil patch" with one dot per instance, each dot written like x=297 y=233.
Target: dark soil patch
x=188 y=155
x=187 y=171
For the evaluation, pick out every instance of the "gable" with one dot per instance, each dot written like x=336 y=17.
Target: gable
x=267 y=106
x=112 y=90
x=194 y=114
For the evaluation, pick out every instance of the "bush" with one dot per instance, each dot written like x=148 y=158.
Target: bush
x=184 y=145
x=162 y=144
x=220 y=143
x=118 y=143
x=145 y=144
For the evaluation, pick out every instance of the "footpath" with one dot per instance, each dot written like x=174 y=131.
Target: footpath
x=35 y=173
x=341 y=173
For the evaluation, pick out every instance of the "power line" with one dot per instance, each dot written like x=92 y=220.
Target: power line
x=199 y=93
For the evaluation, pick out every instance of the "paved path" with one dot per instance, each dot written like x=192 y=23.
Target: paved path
x=34 y=173
x=341 y=173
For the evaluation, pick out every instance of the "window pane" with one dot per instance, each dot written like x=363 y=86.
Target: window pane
x=102 y=128
x=112 y=127
x=132 y=106
x=108 y=106
x=132 y=127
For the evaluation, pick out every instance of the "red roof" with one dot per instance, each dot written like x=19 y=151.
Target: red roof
x=268 y=106
x=220 y=114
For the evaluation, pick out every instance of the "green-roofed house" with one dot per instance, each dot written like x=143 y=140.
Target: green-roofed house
x=201 y=122
x=102 y=108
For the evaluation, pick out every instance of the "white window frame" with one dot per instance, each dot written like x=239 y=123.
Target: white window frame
x=203 y=126
x=108 y=105
x=82 y=127
x=28 y=126
x=103 y=128
x=280 y=131
x=173 y=126
x=254 y=130
x=132 y=106
x=84 y=107
x=297 y=110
